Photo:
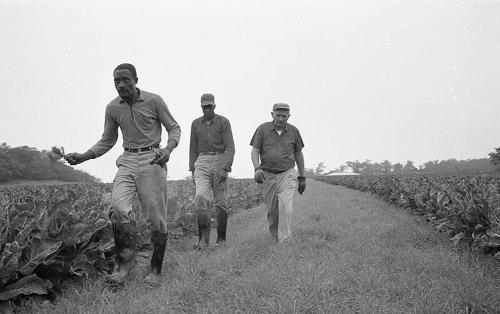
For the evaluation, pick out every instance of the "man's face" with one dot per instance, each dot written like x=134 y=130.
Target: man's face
x=208 y=111
x=125 y=83
x=280 y=117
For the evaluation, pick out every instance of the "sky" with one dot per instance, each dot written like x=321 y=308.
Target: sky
x=377 y=80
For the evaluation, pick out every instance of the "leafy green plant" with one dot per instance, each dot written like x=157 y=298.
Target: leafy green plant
x=467 y=207
x=50 y=232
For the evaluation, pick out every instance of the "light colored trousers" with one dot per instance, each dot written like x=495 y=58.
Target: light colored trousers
x=136 y=176
x=278 y=190
x=209 y=192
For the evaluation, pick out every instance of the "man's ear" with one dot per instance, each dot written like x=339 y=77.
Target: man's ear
x=136 y=80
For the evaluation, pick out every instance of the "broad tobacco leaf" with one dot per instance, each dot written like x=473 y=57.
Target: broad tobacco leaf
x=28 y=285
x=34 y=260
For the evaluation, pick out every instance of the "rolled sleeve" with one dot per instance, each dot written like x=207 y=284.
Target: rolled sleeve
x=257 y=139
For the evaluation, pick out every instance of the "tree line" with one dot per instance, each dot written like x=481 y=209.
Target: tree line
x=449 y=166
x=28 y=163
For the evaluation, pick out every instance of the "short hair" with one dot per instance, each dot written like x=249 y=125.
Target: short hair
x=126 y=66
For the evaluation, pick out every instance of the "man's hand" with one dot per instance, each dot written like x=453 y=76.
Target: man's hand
x=220 y=176
x=76 y=158
x=259 y=176
x=161 y=157
x=302 y=184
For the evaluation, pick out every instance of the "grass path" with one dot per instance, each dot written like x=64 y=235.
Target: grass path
x=351 y=253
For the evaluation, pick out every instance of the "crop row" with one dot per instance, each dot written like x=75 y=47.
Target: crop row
x=467 y=208
x=49 y=232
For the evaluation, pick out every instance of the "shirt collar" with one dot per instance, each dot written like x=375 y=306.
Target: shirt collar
x=213 y=119
x=139 y=97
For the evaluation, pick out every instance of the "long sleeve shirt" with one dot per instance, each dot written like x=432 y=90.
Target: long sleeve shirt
x=211 y=136
x=140 y=123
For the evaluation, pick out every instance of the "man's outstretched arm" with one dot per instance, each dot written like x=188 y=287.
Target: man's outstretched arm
x=107 y=141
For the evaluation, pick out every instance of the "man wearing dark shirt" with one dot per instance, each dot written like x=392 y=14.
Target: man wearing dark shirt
x=211 y=154
x=141 y=168
x=278 y=145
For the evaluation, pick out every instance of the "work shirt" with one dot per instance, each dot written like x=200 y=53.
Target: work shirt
x=277 y=152
x=140 y=123
x=211 y=136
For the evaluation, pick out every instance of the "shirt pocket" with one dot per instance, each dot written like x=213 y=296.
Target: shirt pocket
x=289 y=145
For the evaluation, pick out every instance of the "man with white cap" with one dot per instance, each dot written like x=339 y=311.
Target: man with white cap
x=211 y=154
x=277 y=147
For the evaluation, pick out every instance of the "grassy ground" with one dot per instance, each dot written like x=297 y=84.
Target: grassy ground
x=350 y=253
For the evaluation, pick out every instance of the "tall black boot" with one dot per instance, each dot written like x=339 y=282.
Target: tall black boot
x=159 y=241
x=125 y=248
x=203 y=229
x=221 y=225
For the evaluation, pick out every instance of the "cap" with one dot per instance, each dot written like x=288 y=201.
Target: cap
x=207 y=99
x=281 y=105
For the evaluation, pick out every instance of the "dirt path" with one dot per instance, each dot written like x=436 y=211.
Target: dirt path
x=351 y=253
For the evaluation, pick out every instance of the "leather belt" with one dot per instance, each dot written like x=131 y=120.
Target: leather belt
x=273 y=170
x=142 y=149
x=211 y=153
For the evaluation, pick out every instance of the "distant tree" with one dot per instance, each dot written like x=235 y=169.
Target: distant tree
x=27 y=163
x=320 y=169
x=409 y=167
x=431 y=166
x=355 y=166
x=397 y=168
x=495 y=158
x=386 y=166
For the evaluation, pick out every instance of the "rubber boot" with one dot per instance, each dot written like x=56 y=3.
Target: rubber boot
x=125 y=248
x=159 y=241
x=221 y=225
x=203 y=229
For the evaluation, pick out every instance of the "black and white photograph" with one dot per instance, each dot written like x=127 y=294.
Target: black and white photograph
x=216 y=156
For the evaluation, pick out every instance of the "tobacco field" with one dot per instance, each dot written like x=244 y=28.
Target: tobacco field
x=466 y=207
x=51 y=232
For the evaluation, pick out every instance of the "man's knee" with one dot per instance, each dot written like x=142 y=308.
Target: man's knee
x=157 y=223
x=202 y=202
x=119 y=214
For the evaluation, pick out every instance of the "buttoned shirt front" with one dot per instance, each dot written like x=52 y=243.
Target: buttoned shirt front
x=140 y=123
x=211 y=136
x=277 y=151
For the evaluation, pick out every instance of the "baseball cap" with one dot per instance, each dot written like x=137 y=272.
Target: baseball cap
x=281 y=105
x=207 y=99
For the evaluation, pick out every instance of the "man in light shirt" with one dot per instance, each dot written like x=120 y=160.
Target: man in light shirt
x=142 y=168
x=277 y=147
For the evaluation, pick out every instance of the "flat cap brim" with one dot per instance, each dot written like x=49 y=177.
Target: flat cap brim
x=281 y=106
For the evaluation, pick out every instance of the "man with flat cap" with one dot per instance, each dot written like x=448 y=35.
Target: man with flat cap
x=277 y=147
x=211 y=154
